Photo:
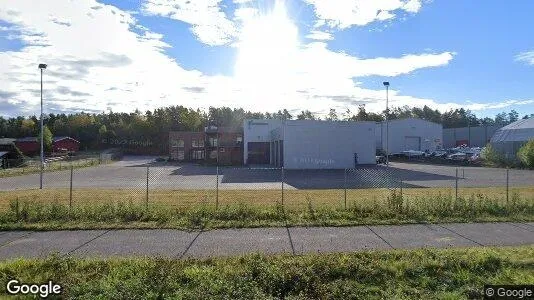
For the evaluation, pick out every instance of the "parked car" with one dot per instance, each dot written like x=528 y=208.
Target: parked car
x=380 y=159
x=413 y=153
x=439 y=153
x=459 y=156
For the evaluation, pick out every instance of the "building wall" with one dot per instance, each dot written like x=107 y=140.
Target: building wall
x=257 y=131
x=327 y=145
x=28 y=148
x=69 y=144
x=403 y=133
x=472 y=136
x=184 y=152
x=229 y=145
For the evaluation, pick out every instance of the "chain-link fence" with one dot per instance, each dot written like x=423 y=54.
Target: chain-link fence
x=89 y=181
x=189 y=184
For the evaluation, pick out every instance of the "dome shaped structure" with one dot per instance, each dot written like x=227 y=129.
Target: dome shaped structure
x=510 y=138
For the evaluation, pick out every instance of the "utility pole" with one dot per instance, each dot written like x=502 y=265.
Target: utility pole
x=386 y=84
x=42 y=67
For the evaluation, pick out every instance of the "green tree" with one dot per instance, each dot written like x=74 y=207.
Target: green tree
x=513 y=116
x=47 y=139
x=526 y=154
x=27 y=127
x=332 y=115
x=306 y=115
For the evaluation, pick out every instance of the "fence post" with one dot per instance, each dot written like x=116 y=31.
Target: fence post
x=217 y=190
x=70 y=189
x=345 y=186
x=456 y=185
x=507 y=185
x=283 y=185
x=147 y=176
x=401 y=187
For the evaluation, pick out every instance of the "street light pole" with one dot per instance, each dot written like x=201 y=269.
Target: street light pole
x=42 y=67
x=386 y=84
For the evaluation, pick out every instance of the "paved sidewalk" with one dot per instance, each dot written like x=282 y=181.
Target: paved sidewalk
x=229 y=242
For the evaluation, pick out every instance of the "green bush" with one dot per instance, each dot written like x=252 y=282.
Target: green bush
x=526 y=154
x=493 y=156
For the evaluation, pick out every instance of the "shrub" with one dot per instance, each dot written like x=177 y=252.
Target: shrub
x=526 y=154
x=493 y=156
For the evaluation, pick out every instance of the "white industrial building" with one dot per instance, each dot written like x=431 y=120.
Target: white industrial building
x=307 y=144
x=409 y=134
x=510 y=138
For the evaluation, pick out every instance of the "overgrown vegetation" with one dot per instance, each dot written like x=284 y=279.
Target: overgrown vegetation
x=526 y=154
x=395 y=209
x=493 y=157
x=415 y=274
x=523 y=159
x=50 y=167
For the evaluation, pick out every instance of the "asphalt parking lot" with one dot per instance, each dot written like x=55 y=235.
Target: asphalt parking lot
x=131 y=173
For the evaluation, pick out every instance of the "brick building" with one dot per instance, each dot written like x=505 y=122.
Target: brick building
x=187 y=146
x=220 y=145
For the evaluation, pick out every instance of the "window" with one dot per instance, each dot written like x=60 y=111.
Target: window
x=201 y=143
x=181 y=155
x=194 y=143
x=213 y=142
x=177 y=143
x=198 y=154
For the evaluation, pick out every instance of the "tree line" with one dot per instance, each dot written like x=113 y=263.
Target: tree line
x=92 y=129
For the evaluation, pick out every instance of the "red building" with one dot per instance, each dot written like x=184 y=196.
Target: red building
x=65 y=144
x=32 y=146
x=28 y=145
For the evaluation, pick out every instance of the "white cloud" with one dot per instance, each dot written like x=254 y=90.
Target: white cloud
x=244 y=14
x=208 y=21
x=412 y=6
x=346 y=13
x=97 y=58
x=330 y=64
x=320 y=35
x=526 y=57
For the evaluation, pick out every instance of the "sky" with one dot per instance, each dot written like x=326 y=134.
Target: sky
x=266 y=55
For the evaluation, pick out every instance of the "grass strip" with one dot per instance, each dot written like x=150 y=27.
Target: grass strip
x=394 y=209
x=51 y=167
x=393 y=274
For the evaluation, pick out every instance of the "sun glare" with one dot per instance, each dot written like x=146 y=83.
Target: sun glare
x=267 y=50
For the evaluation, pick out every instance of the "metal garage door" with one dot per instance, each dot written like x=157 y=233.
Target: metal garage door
x=412 y=143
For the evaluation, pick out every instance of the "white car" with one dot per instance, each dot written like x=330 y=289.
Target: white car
x=413 y=153
x=458 y=156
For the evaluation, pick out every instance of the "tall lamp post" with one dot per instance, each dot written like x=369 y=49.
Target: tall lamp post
x=386 y=84
x=42 y=67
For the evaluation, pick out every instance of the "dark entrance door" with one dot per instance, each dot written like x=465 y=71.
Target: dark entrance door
x=259 y=153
